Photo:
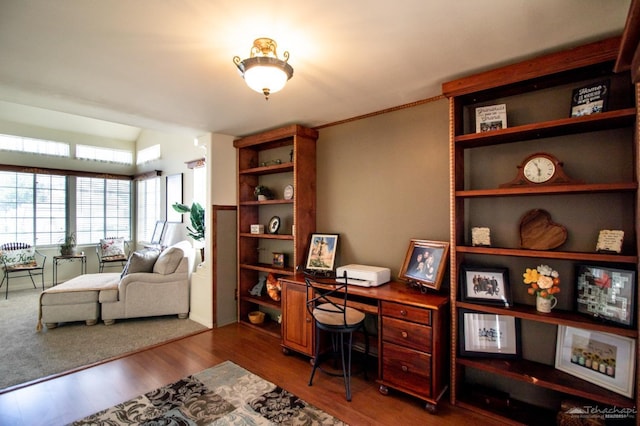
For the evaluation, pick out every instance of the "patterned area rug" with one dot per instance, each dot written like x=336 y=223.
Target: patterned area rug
x=222 y=395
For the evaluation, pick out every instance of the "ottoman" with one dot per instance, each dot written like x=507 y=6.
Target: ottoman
x=75 y=300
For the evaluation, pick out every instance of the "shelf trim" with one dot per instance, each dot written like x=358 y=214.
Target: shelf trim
x=263 y=267
x=549 y=190
x=546 y=254
x=267 y=236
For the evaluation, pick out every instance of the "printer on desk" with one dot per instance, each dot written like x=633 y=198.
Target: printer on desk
x=363 y=275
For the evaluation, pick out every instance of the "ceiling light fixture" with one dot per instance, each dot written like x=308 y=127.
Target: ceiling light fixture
x=263 y=71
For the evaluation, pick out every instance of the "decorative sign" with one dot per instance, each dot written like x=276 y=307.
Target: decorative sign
x=481 y=236
x=610 y=241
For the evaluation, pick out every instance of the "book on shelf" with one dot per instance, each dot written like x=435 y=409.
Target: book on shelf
x=590 y=99
x=491 y=117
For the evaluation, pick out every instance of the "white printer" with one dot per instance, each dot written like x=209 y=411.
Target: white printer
x=363 y=275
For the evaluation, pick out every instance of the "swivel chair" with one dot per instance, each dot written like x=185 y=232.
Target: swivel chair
x=327 y=304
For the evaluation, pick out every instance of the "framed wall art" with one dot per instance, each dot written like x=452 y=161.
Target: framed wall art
x=489 y=335
x=425 y=263
x=485 y=285
x=606 y=293
x=321 y=256
x=605 y=359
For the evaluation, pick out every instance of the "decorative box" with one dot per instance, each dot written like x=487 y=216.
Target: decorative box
x=257 y=229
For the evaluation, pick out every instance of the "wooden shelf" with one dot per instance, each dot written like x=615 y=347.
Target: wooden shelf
x=265 y=202
x=550 y=190
x=261 y=300
x=267 y=170
x=550 y=254
x=556 y=317
x=268 y=326
x=547 y=377
x=267 y=236
x=265 y=267
x=564 y=126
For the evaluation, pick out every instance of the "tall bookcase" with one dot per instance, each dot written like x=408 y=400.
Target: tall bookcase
x=599 y=149
x=275 y=159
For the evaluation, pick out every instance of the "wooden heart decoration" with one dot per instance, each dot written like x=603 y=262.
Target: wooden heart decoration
x=539 y=232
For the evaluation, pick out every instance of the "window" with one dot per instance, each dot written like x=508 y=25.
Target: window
x=148 y=154
x=109 y=155
x=103 y=209
x=32 y=208
x=148 y=195
x=35 y=146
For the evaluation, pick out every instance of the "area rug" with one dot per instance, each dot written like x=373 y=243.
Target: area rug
x=226 y=394
x=28 y=355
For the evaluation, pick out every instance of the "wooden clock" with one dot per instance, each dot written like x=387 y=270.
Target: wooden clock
x=540 y=169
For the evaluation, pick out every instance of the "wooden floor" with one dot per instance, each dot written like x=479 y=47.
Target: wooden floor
x=69 y=397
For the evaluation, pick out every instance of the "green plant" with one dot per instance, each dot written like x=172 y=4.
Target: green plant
x=68 y=244
x=196 y=213
x=262 y=190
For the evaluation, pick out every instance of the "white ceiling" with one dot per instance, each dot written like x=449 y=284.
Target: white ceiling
x=167 y=64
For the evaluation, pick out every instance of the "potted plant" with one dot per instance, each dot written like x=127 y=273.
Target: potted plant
x=68 y=246
x=196 y=214
x=262 y=193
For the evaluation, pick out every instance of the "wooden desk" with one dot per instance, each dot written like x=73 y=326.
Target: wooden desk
x=412 y=334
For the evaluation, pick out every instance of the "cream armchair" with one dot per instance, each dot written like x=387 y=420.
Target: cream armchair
x=165 y=291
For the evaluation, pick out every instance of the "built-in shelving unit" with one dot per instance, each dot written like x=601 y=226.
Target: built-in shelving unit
x=275 y=158
x=537 y=94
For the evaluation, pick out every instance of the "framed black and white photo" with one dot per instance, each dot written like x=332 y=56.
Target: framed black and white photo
x=489 y=335
x=605 y=359
x=606 y=293
x=274 y=225
x=485 y=285
x=321 y=256
x=425 y=263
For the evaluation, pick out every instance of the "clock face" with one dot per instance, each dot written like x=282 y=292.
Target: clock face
x=539 y=169
x=288 y=192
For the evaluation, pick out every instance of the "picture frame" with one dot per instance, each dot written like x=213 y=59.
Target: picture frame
x=489 y=335
x=606 y=293
x=485 y=285
x=158 y=231
x=173 y=195
x=604 y=359
x=274 y=225
x=321 y=255
x=424 y=264
x=279 y=260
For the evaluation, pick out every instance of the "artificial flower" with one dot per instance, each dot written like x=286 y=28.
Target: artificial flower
x=543 y=281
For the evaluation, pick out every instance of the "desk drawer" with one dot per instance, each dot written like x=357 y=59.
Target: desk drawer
x=406 y=312
x=406 y=368
x=405 y=333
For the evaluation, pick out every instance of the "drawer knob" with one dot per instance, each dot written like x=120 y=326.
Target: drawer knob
x=403 y=312
x=405 y=368
x=404 y=334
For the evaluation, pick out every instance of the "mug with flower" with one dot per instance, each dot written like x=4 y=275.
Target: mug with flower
x=544 y=281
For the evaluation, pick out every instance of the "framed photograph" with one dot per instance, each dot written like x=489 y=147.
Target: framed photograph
x=485 y=285
x=173 y=195
x=158 y=231
x=489 y=335
x=425 y=263
x=605 y=359
x=274 y=225
x=606 y=293
x=322 y=252
x=279 y=260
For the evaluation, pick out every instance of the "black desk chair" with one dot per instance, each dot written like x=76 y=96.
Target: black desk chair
x=327 y=304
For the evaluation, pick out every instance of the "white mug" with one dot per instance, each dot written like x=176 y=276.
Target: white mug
x=545 y=305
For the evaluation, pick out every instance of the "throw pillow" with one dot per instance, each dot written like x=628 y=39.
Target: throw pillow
x=168 y=261
x=140 y=261
x=20 y=257
x=112 y=247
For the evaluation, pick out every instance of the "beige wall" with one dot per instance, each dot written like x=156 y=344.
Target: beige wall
x=384 y=180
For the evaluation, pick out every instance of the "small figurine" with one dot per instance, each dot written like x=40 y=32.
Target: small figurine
x=273 y=287
x=257 y=289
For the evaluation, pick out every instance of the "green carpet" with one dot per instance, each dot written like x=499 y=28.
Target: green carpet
x=28 y=355
x=225 y=394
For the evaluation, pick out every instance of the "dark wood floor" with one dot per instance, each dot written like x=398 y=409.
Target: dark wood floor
x=69 y=397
